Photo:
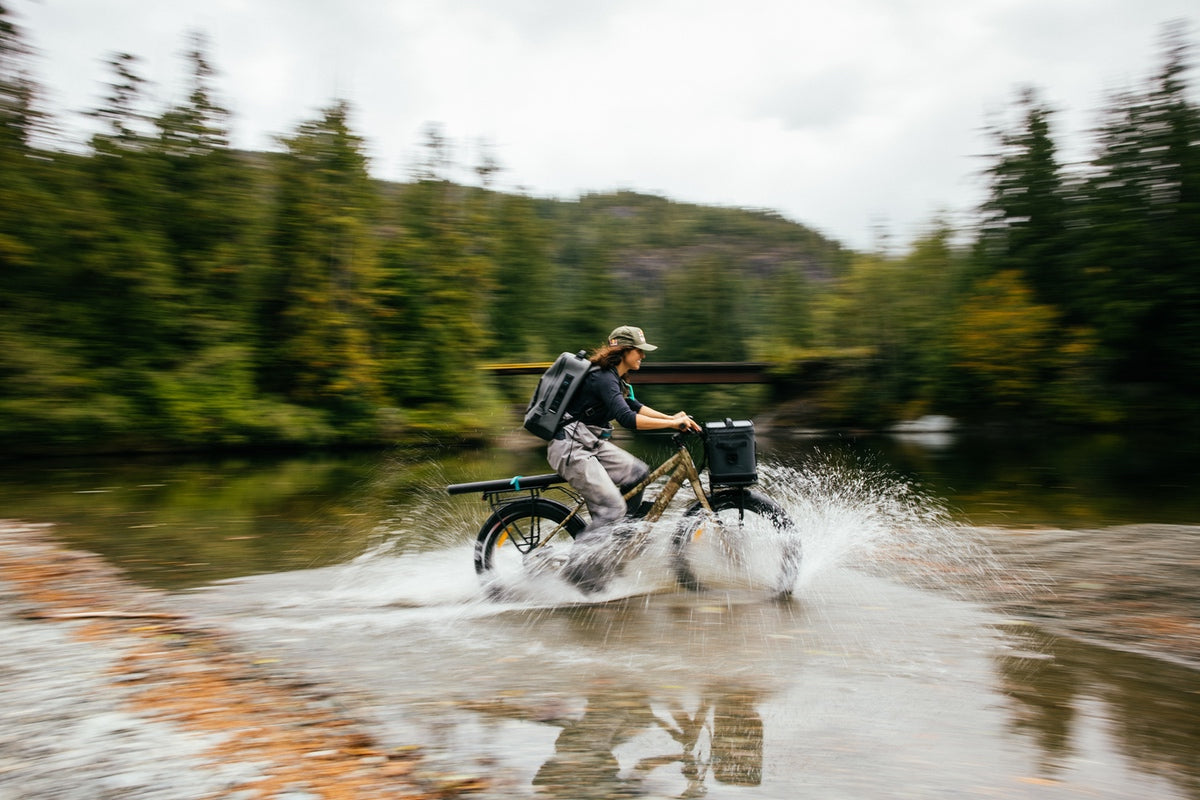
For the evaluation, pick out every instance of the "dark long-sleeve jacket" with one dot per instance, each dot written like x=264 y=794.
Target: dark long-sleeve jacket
x=603 y=398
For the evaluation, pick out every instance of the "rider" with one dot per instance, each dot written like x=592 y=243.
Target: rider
x=582 y=452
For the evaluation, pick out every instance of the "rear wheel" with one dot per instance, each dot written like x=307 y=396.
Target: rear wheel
x=748 y=540
x=517 y=529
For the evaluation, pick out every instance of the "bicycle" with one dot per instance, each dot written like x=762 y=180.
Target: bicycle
x=524 y=519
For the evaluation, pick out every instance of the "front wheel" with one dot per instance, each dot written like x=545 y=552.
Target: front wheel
x=517 y=529
x=748 y=540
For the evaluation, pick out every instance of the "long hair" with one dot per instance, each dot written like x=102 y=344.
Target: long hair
x=609 y=355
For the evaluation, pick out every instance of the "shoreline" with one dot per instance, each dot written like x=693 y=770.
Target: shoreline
x=110 y=689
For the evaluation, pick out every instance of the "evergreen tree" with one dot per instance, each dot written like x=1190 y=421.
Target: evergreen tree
x=315 y=344
x=133 y=306
x=436 y=290
x=1140 y=220
x=1024 y=220
x=19 y=187
x=207 y=221
x=205 y=212
x=525 y=280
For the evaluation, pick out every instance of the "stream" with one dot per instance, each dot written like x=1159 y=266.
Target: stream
x=972 y=619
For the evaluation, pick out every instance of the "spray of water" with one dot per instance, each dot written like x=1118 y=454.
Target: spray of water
x=848 y=510
x=851 y=511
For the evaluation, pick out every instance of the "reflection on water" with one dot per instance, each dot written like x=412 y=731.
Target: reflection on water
x=178 y=522
x=717 y=738
x=1065 y=694
x=677 y=695
x=1056 y=479
x=174 y=523
x=857 y=687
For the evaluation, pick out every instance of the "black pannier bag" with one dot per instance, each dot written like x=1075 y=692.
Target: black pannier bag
x=555 y=389
x=731 y=452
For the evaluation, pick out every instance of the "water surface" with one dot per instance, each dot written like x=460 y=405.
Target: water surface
x=923 y=655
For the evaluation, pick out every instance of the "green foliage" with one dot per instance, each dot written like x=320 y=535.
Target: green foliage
x=319 y=304
x=434 y=298
x=523 y=269
x=1114 y=249
x=1139 y=213
x=1003 y=339
x=1024 y=224
x=161 y=291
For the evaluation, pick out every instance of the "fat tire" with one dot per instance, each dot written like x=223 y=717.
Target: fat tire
x=751 y=502
x=530 y=520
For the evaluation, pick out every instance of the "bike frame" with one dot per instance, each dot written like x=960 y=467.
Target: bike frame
x=682 y=467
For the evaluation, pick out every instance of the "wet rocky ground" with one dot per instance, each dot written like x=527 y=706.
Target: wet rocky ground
x=109 y=692
x=1132 y=587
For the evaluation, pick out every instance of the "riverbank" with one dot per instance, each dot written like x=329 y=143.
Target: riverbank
x=111 y=692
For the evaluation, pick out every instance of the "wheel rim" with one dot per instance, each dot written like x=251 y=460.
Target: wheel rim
x=512 y=534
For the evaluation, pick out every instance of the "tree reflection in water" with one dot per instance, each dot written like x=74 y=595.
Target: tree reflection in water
x=1060 y=687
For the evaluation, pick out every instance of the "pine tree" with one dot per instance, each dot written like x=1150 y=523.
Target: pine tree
x=1024 y=219
x=205 y=213
x=19 y=185
x=134 y=307
x=524 y=279
x=319 y=302
x=1140 y=220
x=438 y=282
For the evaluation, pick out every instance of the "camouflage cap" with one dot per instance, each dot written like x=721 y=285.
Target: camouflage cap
x=629 y=336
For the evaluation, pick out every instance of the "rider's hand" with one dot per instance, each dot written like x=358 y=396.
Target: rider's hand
x=685 y=423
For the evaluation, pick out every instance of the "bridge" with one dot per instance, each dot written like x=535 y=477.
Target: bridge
x=668 y=372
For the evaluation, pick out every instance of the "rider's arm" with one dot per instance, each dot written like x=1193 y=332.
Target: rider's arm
x=633 y=414
x=650 y=420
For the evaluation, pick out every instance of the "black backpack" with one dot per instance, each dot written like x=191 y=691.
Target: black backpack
x=554 y=392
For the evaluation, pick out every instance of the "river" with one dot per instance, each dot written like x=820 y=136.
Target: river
x=975 y=617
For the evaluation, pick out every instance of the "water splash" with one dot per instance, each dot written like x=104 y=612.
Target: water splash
x=848 y=510
x=851 y=511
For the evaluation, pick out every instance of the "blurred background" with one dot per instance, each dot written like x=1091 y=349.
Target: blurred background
x=162 y=290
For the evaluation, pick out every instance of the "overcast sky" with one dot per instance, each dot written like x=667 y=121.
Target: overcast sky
x=851 y=117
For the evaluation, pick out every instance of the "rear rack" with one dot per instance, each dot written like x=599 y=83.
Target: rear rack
x=514 y=484
x=501 y=492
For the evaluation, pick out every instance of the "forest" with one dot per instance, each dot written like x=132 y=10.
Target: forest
x=160 y=290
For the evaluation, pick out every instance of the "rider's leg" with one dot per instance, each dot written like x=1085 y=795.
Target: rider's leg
x=625 y=469
x=598 y=470
x=595 y=468
x=587 y=565
x=581 y=458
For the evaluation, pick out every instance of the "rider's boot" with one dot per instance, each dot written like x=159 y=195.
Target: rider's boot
x=588 y=565
x=587 y=575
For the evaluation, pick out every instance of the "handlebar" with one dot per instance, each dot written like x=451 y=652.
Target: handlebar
x=678 y=438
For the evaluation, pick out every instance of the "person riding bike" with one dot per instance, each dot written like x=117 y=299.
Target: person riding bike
x=582 y=452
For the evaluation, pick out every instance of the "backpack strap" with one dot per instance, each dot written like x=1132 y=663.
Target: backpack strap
x=568 y=417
